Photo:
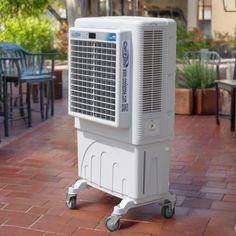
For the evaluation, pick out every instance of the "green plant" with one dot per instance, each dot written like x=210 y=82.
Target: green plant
x=192 y=40
x=223 y=43
x=196 y=75
x=61 y=42
x=182 y=36
x=220 y=37
x=10 y=8
x=34 y=34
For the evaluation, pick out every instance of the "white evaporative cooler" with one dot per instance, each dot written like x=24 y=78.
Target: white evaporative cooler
x=121 y=93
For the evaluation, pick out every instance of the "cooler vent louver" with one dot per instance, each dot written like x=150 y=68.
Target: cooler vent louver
x=152 y=71
x=93 y=78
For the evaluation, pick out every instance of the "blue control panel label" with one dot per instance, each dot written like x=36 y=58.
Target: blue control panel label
x=111 y=37
x=75 y=34
x=104 y=36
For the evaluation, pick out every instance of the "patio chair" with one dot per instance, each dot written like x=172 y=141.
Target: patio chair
x=4 y=98
x=230 y=87
x=208 y=57
x=29 y=69
x=203 y=79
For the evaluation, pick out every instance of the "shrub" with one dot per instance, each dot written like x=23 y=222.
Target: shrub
x=196 y=75
x=193 y=40
x=223 y=43
x=61 y=42
x=34 y=34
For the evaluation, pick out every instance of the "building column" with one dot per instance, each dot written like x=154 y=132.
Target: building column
x=76 y=9
x=192 y=14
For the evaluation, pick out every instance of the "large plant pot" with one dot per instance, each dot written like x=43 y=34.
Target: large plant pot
x=57 y=87
x=183 y=101
x=205 y=101
x=58 y=84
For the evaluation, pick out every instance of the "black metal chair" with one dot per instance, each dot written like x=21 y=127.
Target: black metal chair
x=208 y=57
x=8 y=70
x=27 y=68
x=2 y=107
x=230 y=87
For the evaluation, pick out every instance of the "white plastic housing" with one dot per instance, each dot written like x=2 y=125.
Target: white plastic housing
x=124 y=170
x=121 y=93
x=148 y=89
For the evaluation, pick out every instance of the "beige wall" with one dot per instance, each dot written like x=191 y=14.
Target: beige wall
x=192 y=14
x=222 y=21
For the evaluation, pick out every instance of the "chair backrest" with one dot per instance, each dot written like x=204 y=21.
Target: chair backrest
x=29 y=62
x=12 y=50
x=208 y=57
x=9 y=67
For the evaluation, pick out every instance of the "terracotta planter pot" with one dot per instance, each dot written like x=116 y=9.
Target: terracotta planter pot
x=58 y=84
x=183 y=101
x=57 y=87
x=205 y=101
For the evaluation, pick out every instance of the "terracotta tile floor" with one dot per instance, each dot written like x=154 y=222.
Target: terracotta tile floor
x=37 y=167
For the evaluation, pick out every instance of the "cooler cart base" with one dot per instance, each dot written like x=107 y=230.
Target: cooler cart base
x=112 y=223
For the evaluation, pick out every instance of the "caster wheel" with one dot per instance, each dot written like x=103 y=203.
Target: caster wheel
x=111 y=225
x=167 y=211
x=71 y=202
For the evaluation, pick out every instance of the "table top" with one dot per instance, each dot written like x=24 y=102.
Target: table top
x=231 y=83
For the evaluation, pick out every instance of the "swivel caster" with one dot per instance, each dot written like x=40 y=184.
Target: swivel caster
x=167 y=210
x=71 y=201
x=112 y=223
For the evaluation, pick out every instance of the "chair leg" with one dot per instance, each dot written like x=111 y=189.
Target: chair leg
x=41 y=87
x=5 y=109
x=232 y=116
x=217 y=104
x=48 y=95
x=21 y=108
x=22 y=113
x=29 y=105
x=11 y=100
x=52 y=96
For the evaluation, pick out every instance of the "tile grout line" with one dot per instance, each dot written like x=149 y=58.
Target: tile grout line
x=41 y=216
x=235 y=222
x=31 y=129
x=26 y=228
x=205 y=230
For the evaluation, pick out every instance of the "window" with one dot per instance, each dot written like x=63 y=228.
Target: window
x=204 y=10
x=121 y=7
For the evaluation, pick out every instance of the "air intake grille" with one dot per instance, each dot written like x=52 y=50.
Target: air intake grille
x=152 y=71
x=93 y=72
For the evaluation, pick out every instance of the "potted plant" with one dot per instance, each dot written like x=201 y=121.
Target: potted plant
x=199 y=77
x=183 y=96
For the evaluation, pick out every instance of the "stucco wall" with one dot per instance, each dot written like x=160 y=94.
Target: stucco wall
x=192 y=14
x=222 y=21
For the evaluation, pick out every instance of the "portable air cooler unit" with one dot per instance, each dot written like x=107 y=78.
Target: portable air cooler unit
x=121 y=93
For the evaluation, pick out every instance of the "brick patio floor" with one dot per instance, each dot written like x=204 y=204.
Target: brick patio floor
x=37 y=167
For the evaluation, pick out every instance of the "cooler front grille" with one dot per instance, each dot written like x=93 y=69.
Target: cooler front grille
x=152 y=71
x=93 y=78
